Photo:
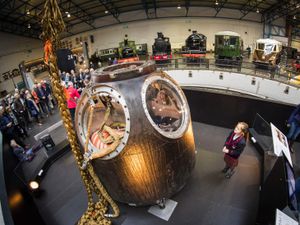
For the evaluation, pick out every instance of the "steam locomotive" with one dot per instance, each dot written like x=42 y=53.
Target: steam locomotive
x=127 y=51
x=195 y=46
x=228 y=48
x=161 y=49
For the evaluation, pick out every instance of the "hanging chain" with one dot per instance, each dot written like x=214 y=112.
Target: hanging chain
x=52 y=25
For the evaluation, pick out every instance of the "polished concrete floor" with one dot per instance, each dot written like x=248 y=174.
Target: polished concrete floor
x=208 y=198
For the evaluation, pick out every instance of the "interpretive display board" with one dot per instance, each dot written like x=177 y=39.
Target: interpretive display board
x=283 y=219
x=280 y=143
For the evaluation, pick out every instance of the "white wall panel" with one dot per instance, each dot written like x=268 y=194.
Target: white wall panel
x=279 y=22
x=131 y=16
x=169 y=12
x=253 y=16
x=230 y=13
x=263 y=88
x=10 y=44
x=12 y=61
x=201 y=11
x=13 y=50
x=80 y=28
x=176 y=29
x=105 y=21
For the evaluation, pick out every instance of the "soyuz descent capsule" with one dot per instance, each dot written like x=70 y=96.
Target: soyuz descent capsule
x=134 y=125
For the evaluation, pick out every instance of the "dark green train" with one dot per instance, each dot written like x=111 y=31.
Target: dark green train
x=127 y=51
x=228 y=48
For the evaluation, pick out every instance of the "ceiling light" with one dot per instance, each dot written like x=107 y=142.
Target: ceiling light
x=216 y=3
x=298 y=6
x=294 y=17
x=66 y=12
x=29 y=26
x=106 y=11
x=69 y=15
x=28 y=12
x=178 y=7
x=257 y=10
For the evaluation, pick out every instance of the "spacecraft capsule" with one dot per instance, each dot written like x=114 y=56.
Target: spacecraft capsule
x=134 y=126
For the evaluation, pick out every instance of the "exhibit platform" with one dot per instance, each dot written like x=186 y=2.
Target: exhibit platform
x=207 y=198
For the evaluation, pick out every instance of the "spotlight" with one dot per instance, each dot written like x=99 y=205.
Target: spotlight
x=298 y=6
x=294 y=17
x=28 y=12
x=29 y=26
x=257 y=10
x=106 y=11
x=33 y=185
x=178 y=7
x=216 y=3
x=68 y=15
x=66 y=12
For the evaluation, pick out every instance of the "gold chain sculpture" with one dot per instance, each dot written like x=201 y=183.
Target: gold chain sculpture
x=52 y=25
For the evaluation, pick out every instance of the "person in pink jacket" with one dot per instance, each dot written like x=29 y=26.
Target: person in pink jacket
x=72 y=96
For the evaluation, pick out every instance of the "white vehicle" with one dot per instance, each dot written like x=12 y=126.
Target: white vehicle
x=267 y=52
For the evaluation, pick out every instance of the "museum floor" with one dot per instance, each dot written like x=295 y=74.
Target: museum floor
x=208 y=198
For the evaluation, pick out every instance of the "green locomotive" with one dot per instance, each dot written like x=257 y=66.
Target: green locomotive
x=127 y=51
x=228 y=48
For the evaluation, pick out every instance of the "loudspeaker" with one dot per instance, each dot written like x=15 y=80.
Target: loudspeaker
x=92 y=38
x=65 y=60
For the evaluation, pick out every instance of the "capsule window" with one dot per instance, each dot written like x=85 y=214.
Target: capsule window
x=104 y=122
x=165 y=108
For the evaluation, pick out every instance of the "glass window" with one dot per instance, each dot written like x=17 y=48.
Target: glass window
x=109 y=124
x=261 y=46
x=220 y=40
x=165 y=106
x=233 y=41
x=268 y=48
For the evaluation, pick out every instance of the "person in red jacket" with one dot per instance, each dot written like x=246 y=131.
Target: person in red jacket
x=72 y=96
x=233 y=148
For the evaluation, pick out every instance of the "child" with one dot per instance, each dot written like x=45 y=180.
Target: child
x=20 y=152
x=233 y=147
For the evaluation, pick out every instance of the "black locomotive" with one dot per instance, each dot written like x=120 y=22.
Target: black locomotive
x=161 y=49
x=195 y=46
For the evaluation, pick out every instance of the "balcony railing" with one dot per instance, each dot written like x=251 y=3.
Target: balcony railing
x=285 y=75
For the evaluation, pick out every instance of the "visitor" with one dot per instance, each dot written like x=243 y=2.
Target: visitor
x=233 y=148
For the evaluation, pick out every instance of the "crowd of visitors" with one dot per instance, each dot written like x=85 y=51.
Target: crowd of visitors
x=19 y=110
x=24 y=108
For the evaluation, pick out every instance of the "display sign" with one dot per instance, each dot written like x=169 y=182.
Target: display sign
x=283 y=219
x=280 y=144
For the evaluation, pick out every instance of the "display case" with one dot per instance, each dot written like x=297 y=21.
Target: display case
x=261 y=134
x=277 y=188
